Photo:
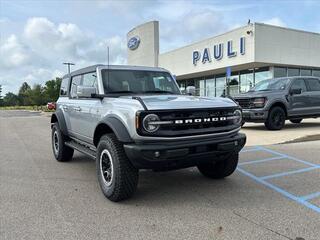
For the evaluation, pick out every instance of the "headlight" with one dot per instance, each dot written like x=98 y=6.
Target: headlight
x=150 y=123
x=259 y=102
x=237 y=117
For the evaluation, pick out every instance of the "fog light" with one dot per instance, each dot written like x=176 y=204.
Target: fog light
x=157 y=154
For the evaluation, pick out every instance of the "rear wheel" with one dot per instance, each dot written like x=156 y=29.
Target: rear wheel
x=118 y=178
x=61 y=152
x=220 y=169
x=276 y=119
x=296 y=120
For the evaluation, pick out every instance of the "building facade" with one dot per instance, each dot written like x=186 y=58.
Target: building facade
x=239 y=58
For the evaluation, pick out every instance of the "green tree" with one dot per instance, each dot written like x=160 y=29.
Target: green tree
x=37 y=95
x=10 y=99
x=25 y=94
x=1 y=100
x=51 y=89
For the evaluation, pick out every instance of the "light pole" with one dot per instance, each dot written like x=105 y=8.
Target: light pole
x=69 y=64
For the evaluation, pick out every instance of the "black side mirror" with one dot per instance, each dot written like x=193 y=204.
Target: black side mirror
x=295 y=91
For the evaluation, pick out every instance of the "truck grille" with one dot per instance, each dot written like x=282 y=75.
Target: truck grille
x=192 y=122
x=244 y=102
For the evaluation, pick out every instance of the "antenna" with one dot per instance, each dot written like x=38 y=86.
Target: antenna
x=108 y=62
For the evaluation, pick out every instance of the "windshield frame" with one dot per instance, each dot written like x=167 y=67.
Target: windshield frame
x=272 y=80
x=126 y=68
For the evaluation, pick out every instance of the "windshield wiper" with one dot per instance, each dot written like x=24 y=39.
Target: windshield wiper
x=159 y=91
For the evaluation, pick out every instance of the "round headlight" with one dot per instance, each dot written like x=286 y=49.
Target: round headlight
x=149 y=123
x=237 y=117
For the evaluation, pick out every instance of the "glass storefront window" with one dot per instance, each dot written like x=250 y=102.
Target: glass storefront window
x=293 y=72
x=306 y=72
x=202 y=88
x=262 y=74
x=210 y=87
x=316 y=73
x=234 y=84
x=220 y=85
x=279 y=72
x=246 y=81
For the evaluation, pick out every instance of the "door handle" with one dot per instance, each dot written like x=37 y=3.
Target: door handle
x=65 y=107
x=78 y=109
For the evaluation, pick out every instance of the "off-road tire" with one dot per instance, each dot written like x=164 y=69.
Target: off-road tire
x=276 y=119
x=124 y=177
x=61 y=152
x=296 y=120
x=221 y=168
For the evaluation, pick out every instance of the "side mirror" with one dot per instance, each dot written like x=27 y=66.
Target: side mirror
x=85 y=91
x=191 y=90
x=295 y=91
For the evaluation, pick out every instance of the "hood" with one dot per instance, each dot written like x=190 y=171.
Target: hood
x=161 y=102
x=255 y=94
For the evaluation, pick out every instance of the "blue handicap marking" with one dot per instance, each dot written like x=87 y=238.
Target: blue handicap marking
x=303 y=200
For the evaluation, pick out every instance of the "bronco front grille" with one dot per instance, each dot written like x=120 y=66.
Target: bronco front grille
x=191 y=122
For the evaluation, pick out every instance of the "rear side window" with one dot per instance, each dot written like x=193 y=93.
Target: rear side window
x=64 y=87
x=313 y=84
x=90 y=80
x=75 y=81
x=299 y=84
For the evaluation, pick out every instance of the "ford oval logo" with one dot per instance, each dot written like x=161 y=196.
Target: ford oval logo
x=133 y=43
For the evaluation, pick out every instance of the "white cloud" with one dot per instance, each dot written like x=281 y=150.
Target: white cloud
x=276 y=22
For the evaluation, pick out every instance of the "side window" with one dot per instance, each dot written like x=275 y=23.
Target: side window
x=64 y=87
x=90 y=80
x=313 y=84
x=299 y=84
x=75 y=81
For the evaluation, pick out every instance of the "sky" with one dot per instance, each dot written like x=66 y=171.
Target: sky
x=37 y=36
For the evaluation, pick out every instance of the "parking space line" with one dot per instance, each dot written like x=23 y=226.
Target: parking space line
x=289 y=172
x=282 y=191
x=260 y=160
x=310 y=196
x=250 y=150
x=287 y=156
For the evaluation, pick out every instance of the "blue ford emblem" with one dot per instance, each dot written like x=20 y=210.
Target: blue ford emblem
x=133 y=43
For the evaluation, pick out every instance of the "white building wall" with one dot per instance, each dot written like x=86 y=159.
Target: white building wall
x=147 y=52
x=180 y=62
x=277 y=46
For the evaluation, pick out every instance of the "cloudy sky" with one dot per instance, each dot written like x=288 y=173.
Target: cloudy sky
x=37 y=36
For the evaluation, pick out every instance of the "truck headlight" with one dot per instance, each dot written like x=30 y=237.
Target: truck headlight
x=237 y=114
x=259 y=102
x=150 y=123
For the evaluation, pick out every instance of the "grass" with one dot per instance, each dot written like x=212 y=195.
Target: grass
x=29 y=108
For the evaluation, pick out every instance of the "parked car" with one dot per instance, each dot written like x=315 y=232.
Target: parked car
x=129 y=118
x=276 y=100
x=51 y=105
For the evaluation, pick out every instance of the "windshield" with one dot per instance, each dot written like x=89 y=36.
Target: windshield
x=136 y=81
x=271 y=84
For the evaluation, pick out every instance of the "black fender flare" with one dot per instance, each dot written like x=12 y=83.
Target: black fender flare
x=59 y=117
x=117 y=127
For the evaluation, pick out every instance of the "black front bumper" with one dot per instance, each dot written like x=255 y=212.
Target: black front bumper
x=254 y=115
x=182 y=153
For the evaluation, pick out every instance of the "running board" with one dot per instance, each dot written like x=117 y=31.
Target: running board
x=81 y=148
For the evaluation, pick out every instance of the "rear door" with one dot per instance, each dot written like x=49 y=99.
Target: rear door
x=313 y=85
x=299 y=103
x=63 y=101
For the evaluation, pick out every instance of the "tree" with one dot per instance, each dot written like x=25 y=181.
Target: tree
x=1 y=100
x=37 y=95
x=51 y=89
x=10 y=99
x=25 y=94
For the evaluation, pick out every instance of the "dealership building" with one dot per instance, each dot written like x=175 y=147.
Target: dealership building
x=241 y=57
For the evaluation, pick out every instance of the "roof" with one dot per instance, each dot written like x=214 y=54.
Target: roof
x=118 y=67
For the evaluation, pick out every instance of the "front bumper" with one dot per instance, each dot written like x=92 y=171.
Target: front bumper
x=182 y=153
x=254 y=115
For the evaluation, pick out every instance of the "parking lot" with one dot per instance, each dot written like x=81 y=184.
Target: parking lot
x=274 y=194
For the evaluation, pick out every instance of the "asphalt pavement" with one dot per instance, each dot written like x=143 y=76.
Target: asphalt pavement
x=274 y=194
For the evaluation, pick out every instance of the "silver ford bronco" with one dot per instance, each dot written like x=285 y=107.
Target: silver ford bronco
x=128 y=118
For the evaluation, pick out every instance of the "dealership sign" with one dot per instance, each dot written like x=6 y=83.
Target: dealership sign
x=133 y=43
x=217 y=52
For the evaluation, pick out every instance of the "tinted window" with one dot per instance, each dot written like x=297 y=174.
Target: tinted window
x=76 y=81
x=299 y=84
x=293 y=72
x=280 y=72
x=313 y=84
x=90 y=80
x=64 y=87
x=305 y=72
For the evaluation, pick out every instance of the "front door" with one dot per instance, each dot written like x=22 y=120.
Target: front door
x=313 y=85
x=299 y=103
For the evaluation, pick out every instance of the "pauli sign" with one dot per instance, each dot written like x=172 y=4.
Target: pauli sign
x=218 y=50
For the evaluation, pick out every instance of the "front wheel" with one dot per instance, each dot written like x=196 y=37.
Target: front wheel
x=118 y=178
x=222 y=168
x=296 y=120
x=61 y=152
x=276 y=119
